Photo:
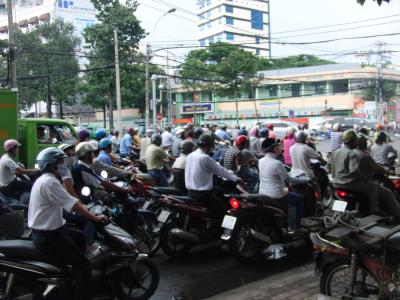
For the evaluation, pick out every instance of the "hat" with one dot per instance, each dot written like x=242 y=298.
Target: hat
x=180 y=131
x=269 y=143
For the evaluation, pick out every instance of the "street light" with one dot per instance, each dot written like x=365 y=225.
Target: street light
x=279 y=88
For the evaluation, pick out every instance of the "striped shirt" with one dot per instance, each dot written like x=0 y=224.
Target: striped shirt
x=336 y=140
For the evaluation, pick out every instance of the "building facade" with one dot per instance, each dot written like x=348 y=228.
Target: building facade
x=245 y=23
x=309 y=92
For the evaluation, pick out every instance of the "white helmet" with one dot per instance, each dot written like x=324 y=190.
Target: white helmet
x=83 y=148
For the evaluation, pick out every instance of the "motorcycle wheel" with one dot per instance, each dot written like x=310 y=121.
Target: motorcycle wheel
x=242 y=246
x=172 y=246
x=335 y=280
x=148 y=240
x=138 y=282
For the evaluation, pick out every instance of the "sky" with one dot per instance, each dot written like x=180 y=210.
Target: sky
x=289 y=18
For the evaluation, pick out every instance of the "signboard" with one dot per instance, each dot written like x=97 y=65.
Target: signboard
x=200 y=108
x=81 y=13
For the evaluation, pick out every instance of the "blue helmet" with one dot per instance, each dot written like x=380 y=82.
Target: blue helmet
x=100 y=134
x=48 y=157
x=104 y=143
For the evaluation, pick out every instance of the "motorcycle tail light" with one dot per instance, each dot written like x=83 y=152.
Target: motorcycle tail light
x=317 y=195
x=396 y=184
x=235 y=204
x=341 y=194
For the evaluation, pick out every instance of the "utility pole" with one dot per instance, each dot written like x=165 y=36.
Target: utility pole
x=147 y=93
x=117 y=81
x=11 y=47
x=169 y=93
x=379 y=83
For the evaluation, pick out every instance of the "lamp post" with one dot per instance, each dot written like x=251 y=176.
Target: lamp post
x=279 y=87
x=154 y=78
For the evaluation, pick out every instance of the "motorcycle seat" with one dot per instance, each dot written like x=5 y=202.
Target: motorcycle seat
x=188 y=199
x=168 y=191
x=267 y=201
x=255 y=197
x=23 y=249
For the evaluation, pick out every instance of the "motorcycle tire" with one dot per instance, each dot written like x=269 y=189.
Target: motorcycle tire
x=341 y=268
x=169 y=243
x=148 y=240
x=133 y=280
x=241 y=241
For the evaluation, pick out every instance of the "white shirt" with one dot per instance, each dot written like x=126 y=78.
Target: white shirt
x=180 y=162
x=114 y=144
x=199 y=171
x=301 y=155
x=7 y=169
x=272 y=177
x=167 y=139
x=48 y=199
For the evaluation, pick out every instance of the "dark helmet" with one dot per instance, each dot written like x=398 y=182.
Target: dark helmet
x=49 y=157
x=206 y=140
x=300 y=137
x=198 y=132
x=269 y=144
x=187 y=147
x=243 y=131
x=264 y=132
x=156 y=139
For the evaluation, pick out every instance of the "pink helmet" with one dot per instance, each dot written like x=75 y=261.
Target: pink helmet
x=10 y=145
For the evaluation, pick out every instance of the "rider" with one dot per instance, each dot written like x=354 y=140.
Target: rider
x=255 y=144
x=381 y=149
x=155 y=159
x=45 y=217
x=105 y=146
x=336 y=137
x=273 y=179
x=178 y=168
x=288 y=142
x=11 y=185
x=127 y=145
x=199 y=171
x=83 y=135
x=232 y=154
x=222 y=134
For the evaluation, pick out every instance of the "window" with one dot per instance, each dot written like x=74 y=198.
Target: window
x=219 y=37
x=54 y=134
x=202 y=42
x=340 y=86
x=209 y=25
x=229 y=20
x=229 y=9
x=211 y=39
x=202 y=27
x=257 y=51
x=257 y=39
x=230 y=36
x=257 y=20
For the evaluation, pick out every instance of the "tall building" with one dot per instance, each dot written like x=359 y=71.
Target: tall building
x=245 y=23
x=28 y=13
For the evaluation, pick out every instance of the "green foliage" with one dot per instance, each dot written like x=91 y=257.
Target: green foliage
x=389 y=89
x=379 y=1
x=295 y=61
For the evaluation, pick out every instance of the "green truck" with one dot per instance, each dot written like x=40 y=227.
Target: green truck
x=34 y=134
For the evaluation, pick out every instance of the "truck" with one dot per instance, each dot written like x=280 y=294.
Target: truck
x=34 y=134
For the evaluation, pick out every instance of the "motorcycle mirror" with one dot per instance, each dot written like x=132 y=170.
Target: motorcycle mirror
x=104 y=174
x=86 y=191
x=339 y=206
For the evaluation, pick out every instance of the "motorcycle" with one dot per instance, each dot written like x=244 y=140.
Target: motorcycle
x=356 y=257
x=119 y=270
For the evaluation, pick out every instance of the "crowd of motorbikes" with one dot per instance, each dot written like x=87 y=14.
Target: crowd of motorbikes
x=357 y=254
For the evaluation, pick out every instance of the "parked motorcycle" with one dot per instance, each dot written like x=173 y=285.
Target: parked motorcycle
x=119 y=270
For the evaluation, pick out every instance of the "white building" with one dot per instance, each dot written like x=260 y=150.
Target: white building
x=27 y=13
x=241 y=22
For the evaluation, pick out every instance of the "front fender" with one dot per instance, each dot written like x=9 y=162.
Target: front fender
x=324 y=259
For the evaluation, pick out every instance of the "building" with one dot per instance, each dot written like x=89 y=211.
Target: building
x=28 y=13
x=309 y=92
x=241 y=22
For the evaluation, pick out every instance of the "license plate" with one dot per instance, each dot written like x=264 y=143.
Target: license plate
x=163 y=217
x=229 y=222
x=146 y=205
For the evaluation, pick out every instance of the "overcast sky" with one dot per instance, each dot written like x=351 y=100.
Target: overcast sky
x=288 y=16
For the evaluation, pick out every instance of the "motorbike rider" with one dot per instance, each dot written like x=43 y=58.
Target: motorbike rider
x=10 y=184
x=347 y=174
x=381 y=150
x=105 y=147
x=199 y=171
x=155 y=159
x=336 y=137
x=288 y=142
x=127 y=144
x=45 y=217
x=248 y=170
x=222 y=134
x=178 y=168
x=273 y=180
x=167 y=138
x=255 y=144
x=144 y=143
x=83 y=135
x=232 y=154
x=100 y=134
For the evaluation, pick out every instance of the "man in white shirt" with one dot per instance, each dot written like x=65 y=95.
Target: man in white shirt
x=199 y=171
x=167 y=138
x=178 y=168
x=273 y=179
x=10 y=185
x=45 y=217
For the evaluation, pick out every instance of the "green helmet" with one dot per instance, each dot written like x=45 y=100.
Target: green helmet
x=349 y=136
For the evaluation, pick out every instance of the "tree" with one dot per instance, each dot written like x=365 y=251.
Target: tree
x=389 y=90
x=379 y=1
x=295 y=61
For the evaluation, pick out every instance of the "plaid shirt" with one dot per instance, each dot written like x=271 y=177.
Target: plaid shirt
x=230 y=158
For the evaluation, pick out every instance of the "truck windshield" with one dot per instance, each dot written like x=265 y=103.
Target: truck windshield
x=55 y=134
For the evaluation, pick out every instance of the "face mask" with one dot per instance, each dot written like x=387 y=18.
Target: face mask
x=62 y=170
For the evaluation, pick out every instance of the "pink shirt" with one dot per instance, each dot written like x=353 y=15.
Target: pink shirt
x=287 y=143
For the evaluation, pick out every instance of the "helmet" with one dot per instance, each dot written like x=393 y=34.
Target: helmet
x=49 y=156
x=379 y=126
x=115 y=131
x=100 y=134
x=198 y=132
x=156 y=139
x=206 y=140
x=10 y=145
x=300 y=137
x=241 y=139
x=94 y=144
x=243 y=132
x=362 y=142
x=364 y=130
x=65 y=147
x=83 y=133
x=104 y=143
x=349 y=136
x=180 y=131
x=187 y=147
x=336 y=127
x=83 y=148
x=270 y=126
x=269 y=144
x=263 y=132
x=131 y=130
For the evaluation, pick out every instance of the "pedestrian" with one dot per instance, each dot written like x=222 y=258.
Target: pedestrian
x=167 y=138
x=175 y=148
